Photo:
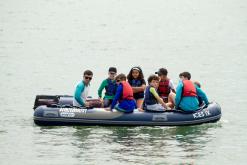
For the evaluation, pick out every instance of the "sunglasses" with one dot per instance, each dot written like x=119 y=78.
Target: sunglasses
x=88 y=78
x=112 y=73
x=118 y=80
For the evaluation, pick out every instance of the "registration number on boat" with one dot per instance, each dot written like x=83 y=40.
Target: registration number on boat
x=160 y=117
x=201 y=114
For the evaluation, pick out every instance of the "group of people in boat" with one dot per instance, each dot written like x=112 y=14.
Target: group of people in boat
x=126 y=93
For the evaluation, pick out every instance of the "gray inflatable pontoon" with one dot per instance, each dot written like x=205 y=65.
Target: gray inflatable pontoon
x=57 y=110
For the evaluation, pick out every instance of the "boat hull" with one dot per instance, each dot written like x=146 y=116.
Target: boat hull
x=65 y=115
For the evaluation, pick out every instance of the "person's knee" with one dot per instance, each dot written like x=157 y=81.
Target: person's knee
x=171 y=94
x=106 y=102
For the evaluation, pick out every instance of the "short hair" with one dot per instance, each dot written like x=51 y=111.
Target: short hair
x=197 y=83
x=121 y=76
x=185 y=74
x=152 y=77
x=88 y=72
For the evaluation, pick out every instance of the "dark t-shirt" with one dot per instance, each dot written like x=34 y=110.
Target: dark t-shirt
x=138 y=83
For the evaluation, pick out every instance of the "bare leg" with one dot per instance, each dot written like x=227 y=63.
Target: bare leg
x=139 y=103
x=171 y=100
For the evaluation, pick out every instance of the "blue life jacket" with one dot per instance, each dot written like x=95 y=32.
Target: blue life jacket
x=111 y=88
x=137 y=83
x=149 y=97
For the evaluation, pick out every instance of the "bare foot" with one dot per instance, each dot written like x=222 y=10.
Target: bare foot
x=108 y=109
x=141 y=110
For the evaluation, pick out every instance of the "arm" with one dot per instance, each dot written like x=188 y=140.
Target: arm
x=77 y=95
x=202 y=95
x=139 y=89
x=156 y=95
x=172 y=86
x=102 y=86
x=117 y=96
x=178 y=94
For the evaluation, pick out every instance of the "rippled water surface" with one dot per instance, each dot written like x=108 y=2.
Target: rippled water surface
x=45 y=45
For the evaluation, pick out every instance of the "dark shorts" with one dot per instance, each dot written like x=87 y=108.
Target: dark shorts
x=165 y=99
x=138 y=96
x=107 y=102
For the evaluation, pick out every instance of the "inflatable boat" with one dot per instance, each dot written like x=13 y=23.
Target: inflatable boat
x=57 y=110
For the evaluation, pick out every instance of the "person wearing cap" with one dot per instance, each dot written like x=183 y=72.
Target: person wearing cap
x=110 y=86
x=81 y=91
x=166 y=85
x=138 y=84
x=188 y=93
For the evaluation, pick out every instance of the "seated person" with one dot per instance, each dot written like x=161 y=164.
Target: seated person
x=188 y=93
x=165 y=84
x=138 y=84
x=81 y=91
x=123 y=100
x=110 y=87
x=152 y=101
x=198 y=84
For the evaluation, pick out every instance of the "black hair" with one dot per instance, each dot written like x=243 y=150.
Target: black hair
x=162 y=71
x=197 y=83
x=140 y=77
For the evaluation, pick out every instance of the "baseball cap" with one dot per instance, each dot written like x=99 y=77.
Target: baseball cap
x=113 y=69
x=162 y=71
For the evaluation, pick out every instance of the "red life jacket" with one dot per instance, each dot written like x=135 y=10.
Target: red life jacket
x=164 y=88
x=189 y=88
x=127 y=91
